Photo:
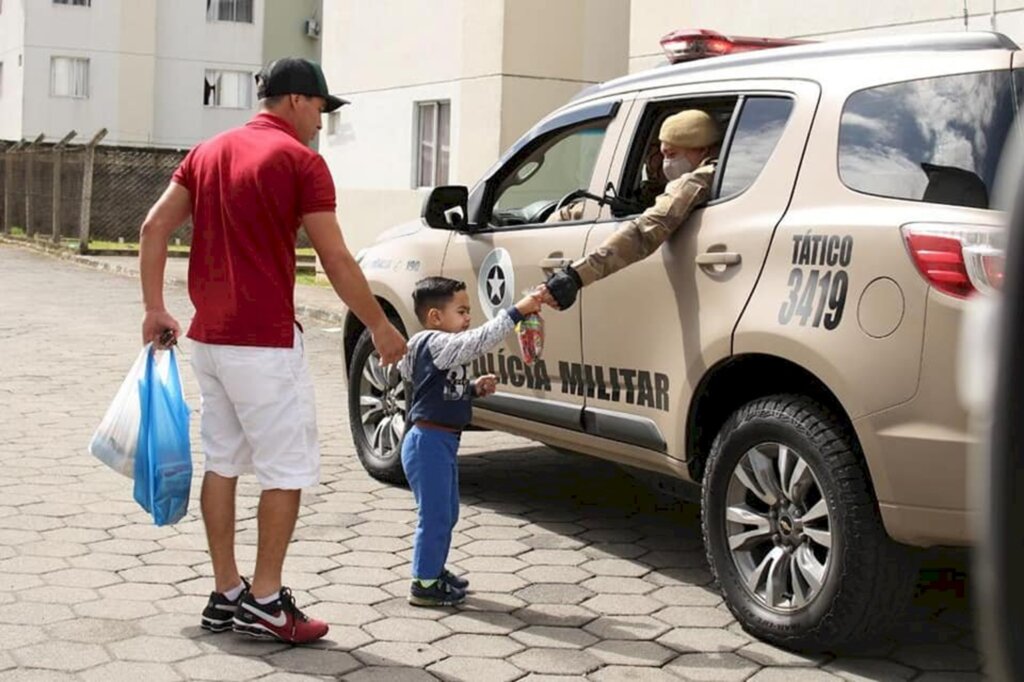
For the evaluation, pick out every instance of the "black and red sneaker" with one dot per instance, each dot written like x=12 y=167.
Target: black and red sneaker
x=280 y=619
x=220 y=611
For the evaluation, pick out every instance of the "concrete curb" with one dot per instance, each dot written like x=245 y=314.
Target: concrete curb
x=301 y=309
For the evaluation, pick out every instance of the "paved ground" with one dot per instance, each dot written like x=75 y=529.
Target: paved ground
x=579 y=572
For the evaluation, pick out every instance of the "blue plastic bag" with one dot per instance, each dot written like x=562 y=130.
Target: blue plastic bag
x=163 y=459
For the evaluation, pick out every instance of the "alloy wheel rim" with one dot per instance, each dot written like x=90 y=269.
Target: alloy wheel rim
x=778 y=527
x=382 y=407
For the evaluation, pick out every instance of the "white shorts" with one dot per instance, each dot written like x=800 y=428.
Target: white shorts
x=258 y=413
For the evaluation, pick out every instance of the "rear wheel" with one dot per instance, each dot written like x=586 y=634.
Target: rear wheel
x=376 y=410
x=792 y=528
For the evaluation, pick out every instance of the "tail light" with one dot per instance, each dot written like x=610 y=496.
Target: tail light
x=690 y=44
x=958 y=259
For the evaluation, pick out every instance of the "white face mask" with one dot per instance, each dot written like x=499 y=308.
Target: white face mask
x=676 y=167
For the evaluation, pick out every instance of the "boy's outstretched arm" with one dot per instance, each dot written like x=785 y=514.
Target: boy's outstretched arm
x=452 y=350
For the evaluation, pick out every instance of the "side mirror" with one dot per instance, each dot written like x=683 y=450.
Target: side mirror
x=445 y=207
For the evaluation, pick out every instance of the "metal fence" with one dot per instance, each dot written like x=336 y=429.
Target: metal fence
x=89 y=197
x=82 y=194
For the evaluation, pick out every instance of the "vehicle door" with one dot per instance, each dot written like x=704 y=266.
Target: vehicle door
x=523 y=224
x=651 y=330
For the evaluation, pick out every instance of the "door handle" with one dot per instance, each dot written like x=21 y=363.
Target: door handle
x=718 y=258
x=554 y=263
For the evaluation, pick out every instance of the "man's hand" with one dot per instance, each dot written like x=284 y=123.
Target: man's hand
x=389 y=342
x=485 y=385
x=155 y=324
x=562 y=287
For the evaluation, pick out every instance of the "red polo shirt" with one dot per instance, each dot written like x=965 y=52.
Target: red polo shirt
x=250 y=188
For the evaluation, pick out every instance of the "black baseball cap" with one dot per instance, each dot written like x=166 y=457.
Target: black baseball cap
x=295 y=76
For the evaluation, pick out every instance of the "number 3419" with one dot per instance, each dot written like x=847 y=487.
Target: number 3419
x=817 y=298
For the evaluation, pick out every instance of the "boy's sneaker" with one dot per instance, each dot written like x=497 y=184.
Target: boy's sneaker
x=439 y=593
x=280 y=619
x=219 y=611
x=454 y=580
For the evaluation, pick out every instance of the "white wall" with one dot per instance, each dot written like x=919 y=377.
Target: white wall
x=187 y=45
x=652 y=19
x=12 y=41
x=386 y=56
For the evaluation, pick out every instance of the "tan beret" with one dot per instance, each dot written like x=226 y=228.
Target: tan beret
x=690 y=129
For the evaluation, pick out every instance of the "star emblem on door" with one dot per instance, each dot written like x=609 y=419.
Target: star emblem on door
x=495 y=285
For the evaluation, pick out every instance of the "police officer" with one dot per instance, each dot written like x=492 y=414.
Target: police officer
x=689 y=145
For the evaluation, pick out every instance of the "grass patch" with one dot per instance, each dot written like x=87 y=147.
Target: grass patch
x=311 y=280
x=102 y=245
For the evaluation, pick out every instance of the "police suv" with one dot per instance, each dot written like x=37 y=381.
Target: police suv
x=791 y=349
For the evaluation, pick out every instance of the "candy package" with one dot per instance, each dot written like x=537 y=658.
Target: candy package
x=531 y=337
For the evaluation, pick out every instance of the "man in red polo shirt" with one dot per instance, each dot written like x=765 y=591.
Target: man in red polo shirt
x=247 y=191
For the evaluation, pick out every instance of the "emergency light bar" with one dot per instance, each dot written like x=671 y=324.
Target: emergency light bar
x=689 y=44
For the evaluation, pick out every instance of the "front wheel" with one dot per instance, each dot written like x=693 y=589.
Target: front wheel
x=376 y=412
x=792 y=528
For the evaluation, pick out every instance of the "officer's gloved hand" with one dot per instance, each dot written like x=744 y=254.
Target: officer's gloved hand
x=563 y=286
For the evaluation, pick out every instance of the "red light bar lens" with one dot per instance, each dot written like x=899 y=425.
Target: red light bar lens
x=690 y=44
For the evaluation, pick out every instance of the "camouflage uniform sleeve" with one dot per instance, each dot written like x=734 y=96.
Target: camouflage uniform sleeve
x=640 y=237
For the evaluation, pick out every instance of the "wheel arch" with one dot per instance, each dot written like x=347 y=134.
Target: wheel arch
x=736 y=381
x=353 y=329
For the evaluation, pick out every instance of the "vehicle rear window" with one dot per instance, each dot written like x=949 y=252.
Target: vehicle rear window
x=936 y=140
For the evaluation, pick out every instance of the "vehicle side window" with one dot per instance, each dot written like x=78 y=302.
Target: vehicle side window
x=530 y=191
x=758 y=129
x=642 y=178
x=936 y=140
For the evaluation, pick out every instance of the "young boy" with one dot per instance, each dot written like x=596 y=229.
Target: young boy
x=441 y=393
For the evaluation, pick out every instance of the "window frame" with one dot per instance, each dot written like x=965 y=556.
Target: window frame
x=495 y=181
x=730 y=137
x=249 y=79
x=480 y=204
x=72 y=3
x=438 y=106
x=654 y=108
x=211 y=4
x=73 y=60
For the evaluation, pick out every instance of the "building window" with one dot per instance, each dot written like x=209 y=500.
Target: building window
x=69 y=77
x=333 y=122
x=229 y=10
x=75 y=3
x=1 y=79
x=432 y=125
x=228 y=89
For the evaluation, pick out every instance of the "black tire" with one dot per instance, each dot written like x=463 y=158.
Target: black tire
x=387 y=468
x=868 y=577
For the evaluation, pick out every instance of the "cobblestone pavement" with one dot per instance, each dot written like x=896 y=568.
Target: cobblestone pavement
x=579 y=572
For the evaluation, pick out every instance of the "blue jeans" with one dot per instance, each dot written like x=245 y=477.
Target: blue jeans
x=429 y=462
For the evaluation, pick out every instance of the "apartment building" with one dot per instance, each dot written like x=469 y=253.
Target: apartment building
x=160 y=73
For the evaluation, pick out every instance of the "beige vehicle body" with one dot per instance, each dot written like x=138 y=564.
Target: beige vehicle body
x=796 y=278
